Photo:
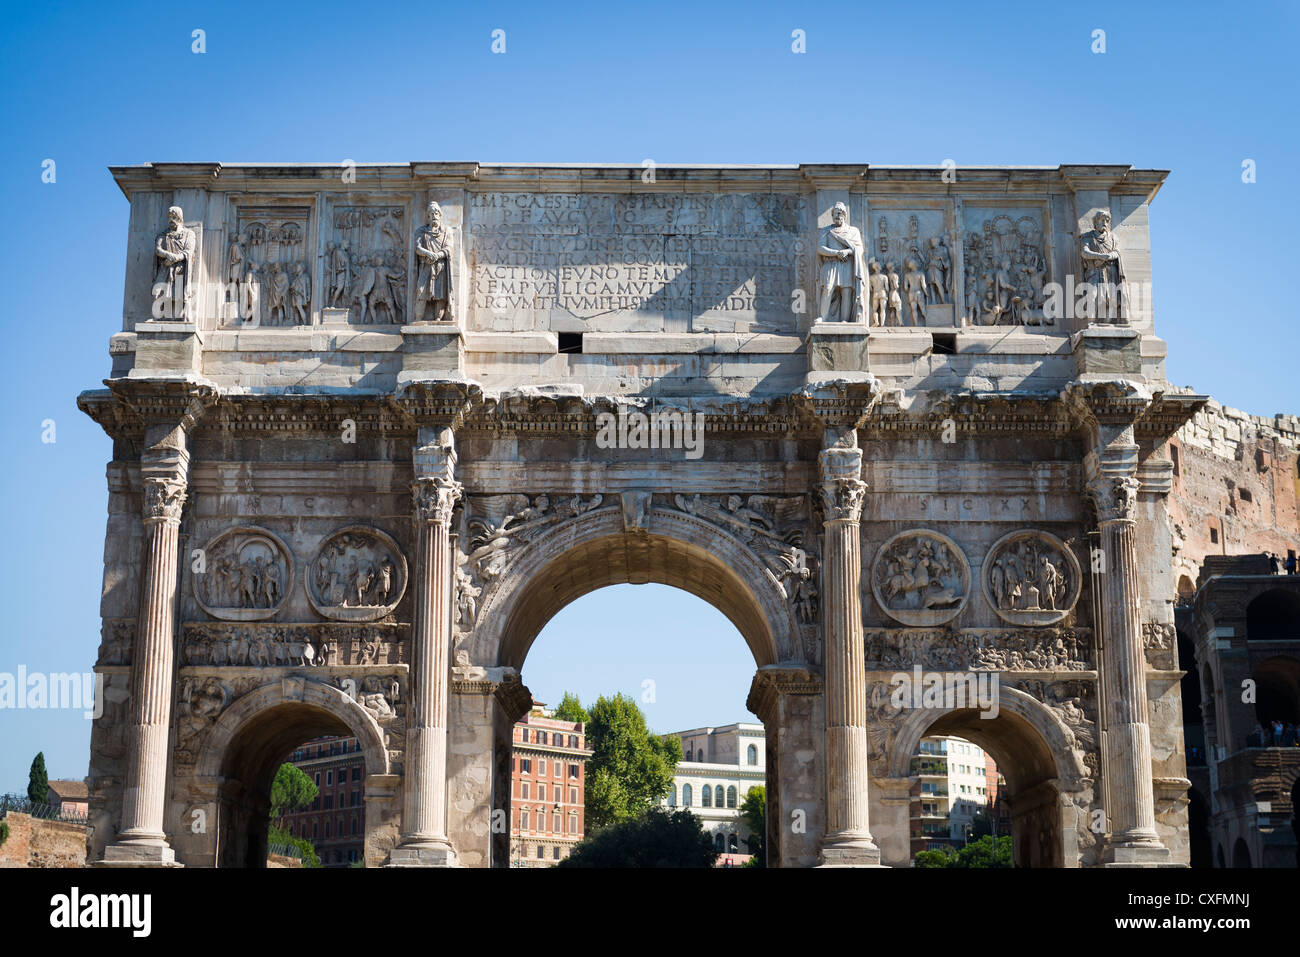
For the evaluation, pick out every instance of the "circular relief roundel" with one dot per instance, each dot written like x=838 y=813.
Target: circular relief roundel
x=920 y=578
x=359 y=574
x=246 y=575
x=1031 y=578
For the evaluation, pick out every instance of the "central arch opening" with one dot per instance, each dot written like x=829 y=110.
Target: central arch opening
x=677 y=624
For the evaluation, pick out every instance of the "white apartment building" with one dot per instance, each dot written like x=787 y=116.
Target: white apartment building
x=718 y=767
x=953 y=787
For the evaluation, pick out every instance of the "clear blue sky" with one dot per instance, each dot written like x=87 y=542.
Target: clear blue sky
x=1195 y=88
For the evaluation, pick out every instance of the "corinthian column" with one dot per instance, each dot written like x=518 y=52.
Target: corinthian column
x=1128 y=737
x=848 y=839
x=141 y=840
x=424 y=788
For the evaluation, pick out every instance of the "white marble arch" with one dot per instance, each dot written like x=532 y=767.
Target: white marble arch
x=595 y=550
x=1053 y=732
x=291 y=692
x=1047 y=783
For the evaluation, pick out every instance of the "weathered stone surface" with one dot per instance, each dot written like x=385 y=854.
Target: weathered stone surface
x=450 y=398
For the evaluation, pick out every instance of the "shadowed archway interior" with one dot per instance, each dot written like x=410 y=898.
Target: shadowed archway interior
x=1026 y=763
x=262 y=744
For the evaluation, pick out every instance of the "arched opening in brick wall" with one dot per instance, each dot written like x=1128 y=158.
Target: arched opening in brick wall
x=1274 y=616
x=1277 y=692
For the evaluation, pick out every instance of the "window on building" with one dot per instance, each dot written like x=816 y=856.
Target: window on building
x=541 y=792
x=1214 y=534
x=541 y=737
x=526 y=765
x=706 y=797
x=329 y=778
x=317 y=779
x=329 y=802
x=573 y=822
x=523 y=789
x=687 y=795
x=753 y=754
x=541 y=765
x=731 y=797
x=573 y=740
x=559 y=769
x=541 y=853
x=523 y=820
x=573 y=770
x=356 y=825
x=719 y=842
x=327 y=828
x=313 y=830
x=356 y=773
x=672 y=797
x=734 y=842
x=699 y=755
x=523 y=735
x=573 y=795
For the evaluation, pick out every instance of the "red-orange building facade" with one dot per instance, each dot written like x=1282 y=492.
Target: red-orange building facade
x=547 y=788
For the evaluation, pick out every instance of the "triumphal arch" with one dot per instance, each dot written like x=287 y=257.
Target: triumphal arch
x=373 y=426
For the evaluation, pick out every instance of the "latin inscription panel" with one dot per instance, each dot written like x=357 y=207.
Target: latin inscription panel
x=648 y=262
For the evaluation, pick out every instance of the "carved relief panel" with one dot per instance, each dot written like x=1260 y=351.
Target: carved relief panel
x=366 y=264
x=246 y=575
x=269 y=267
x=1007 y=264
x=359 y=574
x=920 y=577
x=910 y=268
x=1031 y=578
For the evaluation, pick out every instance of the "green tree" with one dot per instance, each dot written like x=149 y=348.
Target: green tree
x=38 y=782
x=571 y=709
x=981 y=824
x=988 y=851
x=276 y=835
x=290 y=791
x=753 y=811
x=943 y=856
x=658 y=838
x=4 y=831
x=630 y=769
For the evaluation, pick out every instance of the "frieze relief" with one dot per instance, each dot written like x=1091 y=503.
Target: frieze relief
x=359 y=574
x=268 y=268
x=116 y=636
x=1006 y=264
x=979 y=649
x=291 y=646
x=911 y=270
x=245 y=574
x=1158 y=642
x=499 y=524
x=1031 y=578
x=920 y=578
x=365 y=265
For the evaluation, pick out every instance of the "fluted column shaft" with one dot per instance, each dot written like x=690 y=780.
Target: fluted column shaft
x=848 y=833
x=152 y=663
x=424 y=818
x=1128 y=734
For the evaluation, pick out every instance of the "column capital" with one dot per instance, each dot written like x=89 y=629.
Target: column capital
x=1114 y=497
x=435 y=498
x=840 y=462
x=164 y=499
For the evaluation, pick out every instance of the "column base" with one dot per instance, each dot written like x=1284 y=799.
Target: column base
x=850 y=852
x=424 y=854
x=139 y=855
x=1137 y=855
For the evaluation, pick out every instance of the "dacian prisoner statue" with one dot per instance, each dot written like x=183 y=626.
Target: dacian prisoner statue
x=843 y=270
